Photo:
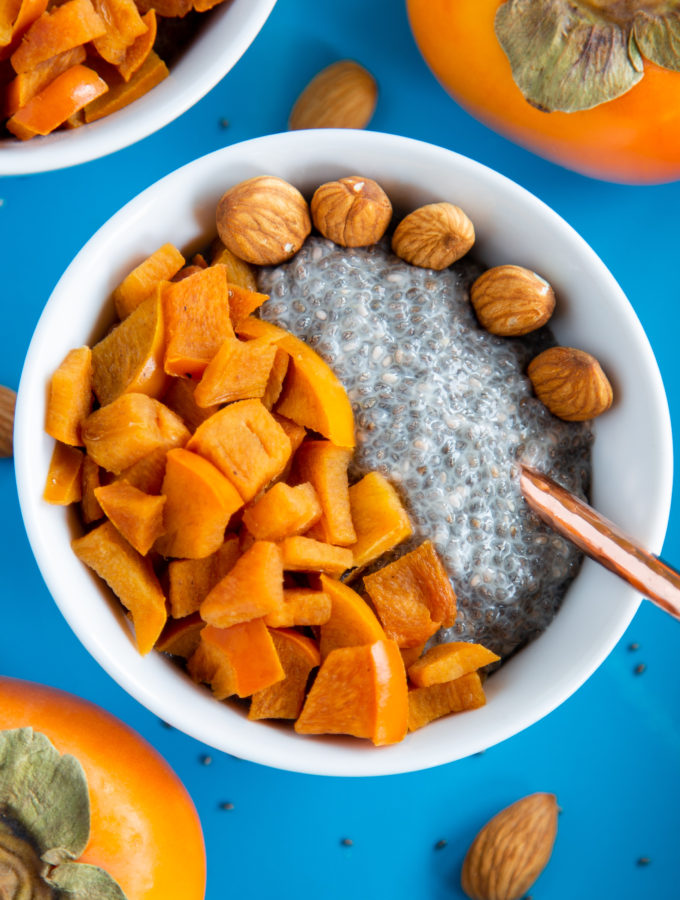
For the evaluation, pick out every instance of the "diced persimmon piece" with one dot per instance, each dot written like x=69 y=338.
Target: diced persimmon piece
x=190 y=580
x=277 y=376
x=152 y=71
x=63 y=484
x=239 y=272
x=352 y=621
x=446 y=662
x=242 y=301
x=250 y=590
x=68 y=93
x=413 y=596
x=136 y=54
x=282 y=512
x=8 y=14
x=428 y=703
x=123 y=25
x=283 y=700
x=131 y=578
x=180 y=398
x=411 y=654
x=138 y=516
x=312 y=394
x=90 y=479
x=181 y=637
x=199 y=503
x=18 y=17
x=296 y=433
x=245 y=443
x=380 y=520
x=62 y=28
x=205 y=5
x=69 y=399
x=303 y=554
x=123 y=432
x=130 y=358
x=25 y=86
x=301 y=607
x=238 y=371
x=359 y=691
x=143 y=279
x=147 y=473
x=197 y=321
x=325 y=466
x=238 y=660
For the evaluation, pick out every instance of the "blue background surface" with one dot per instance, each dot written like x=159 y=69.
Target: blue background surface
x=610 y=753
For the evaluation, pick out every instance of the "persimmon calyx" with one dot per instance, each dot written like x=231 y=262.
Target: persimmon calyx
x=45 y=823
x=571 y=55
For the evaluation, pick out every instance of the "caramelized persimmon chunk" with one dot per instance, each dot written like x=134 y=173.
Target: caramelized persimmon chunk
x=380 y=520
x=121 y=433
x=245 y=443
x=147 y=473
x=238 y=660
x=301 y=606
x=69 y=399
x=190 y=580
x=239 y=272
x=413 y=596
x=179 y=397
x=62 y=28
x=277 y=376
x=90 y=478
x=428 y=703
x=142 y=280
x=123 y=26
x=63 y=484
x=238 y=371
x=325 y=466
x=359 y=691
x=250 y=590
x=152 y=71
x=303 y=554
x=283 y=700
x=283 y=511
x=181 y=637
x=131 y=578
x=352 y=621
x=446 y=662
x=200 y=501
x=138 y=516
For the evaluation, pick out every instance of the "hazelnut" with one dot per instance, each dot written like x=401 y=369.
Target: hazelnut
x=433 y=236
x=352 y=212
x=570 y=383
x=263 y=220
x=343 y=95
x=511 y=300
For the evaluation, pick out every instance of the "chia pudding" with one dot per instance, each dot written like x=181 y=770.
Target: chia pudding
x=443 y=409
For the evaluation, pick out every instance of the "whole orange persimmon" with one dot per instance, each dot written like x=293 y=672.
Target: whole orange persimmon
x=143 y=827
x=591 y=84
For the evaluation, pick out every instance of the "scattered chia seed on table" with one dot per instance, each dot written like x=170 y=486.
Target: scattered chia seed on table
x=444 y=411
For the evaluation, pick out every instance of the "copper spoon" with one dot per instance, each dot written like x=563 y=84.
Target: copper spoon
x=601 y=540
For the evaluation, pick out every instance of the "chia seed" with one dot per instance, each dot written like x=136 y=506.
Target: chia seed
x=452 y=420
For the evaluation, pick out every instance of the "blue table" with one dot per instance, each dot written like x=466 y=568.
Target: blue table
x=610 y=753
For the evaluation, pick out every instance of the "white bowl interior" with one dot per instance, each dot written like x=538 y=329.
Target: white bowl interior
x=632 y=455
x=218 y=46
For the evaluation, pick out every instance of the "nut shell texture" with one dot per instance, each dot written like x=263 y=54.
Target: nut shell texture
x=511 y=301
x=512 y=850
x=352 y=212
x=263 y=220
x=433 y=236
x=570 y=383
x=343 y=95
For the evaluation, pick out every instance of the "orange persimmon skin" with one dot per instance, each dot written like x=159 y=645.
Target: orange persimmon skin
x=633 y=139
x=144 y=828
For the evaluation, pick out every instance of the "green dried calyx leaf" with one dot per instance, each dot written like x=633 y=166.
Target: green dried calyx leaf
x=571 y=55
x=45 y=824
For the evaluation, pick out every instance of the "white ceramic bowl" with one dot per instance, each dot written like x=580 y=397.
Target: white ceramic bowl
x=632 y=455
x=227 y=33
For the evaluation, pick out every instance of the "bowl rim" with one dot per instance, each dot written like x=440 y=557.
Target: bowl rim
x=383 y=760
x=242 y=19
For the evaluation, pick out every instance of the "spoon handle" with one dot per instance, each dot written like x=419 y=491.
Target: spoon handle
x=601 y=539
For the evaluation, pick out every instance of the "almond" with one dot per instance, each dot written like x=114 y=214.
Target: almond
x=570 y=383
x=263 y=220
x=512 y=850
x=352 y=212
x=433 y=236
x=7 y=403
x=512 y=300
x=341 y=96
